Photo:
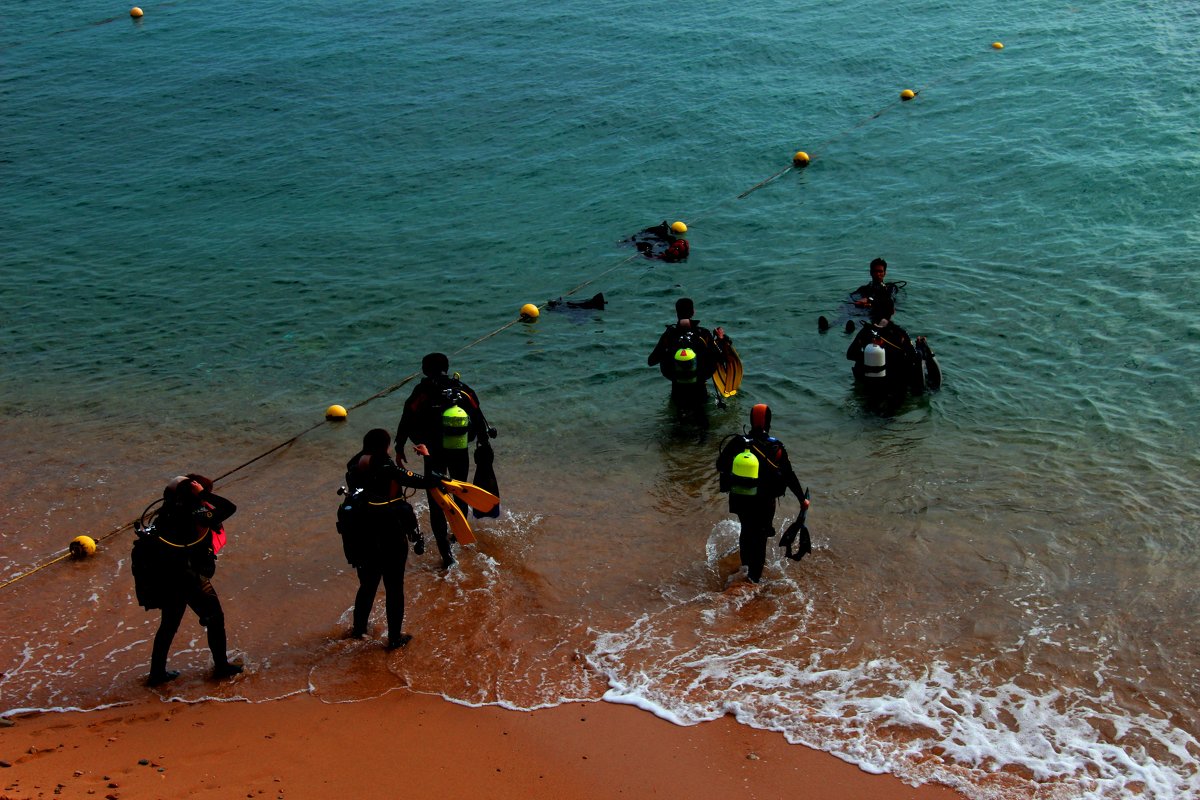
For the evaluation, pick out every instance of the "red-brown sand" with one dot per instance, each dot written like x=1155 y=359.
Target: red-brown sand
x=414 y=746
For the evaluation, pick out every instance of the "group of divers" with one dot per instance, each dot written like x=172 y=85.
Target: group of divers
x=178 y=538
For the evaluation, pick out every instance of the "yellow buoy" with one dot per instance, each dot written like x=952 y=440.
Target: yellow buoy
x=800 y=160
x=335 y=412
x=678 y=227
x=998 y=45
x=135 y=12
x=82 y=547
x=529 y=312
x=907 y=94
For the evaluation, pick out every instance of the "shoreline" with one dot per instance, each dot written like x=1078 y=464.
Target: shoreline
x=420 y=745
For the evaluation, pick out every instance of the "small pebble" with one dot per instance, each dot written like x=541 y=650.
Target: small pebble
x=752 y=757
x=145 y=762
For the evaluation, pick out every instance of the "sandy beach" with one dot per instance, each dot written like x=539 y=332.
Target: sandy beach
x=413 y=745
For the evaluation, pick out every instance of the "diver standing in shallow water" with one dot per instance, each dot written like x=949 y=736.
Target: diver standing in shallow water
x=174 y=561
x=755 y=470
x=380 y=527
x=877 y=297
x=687 y=355
x=443 y=414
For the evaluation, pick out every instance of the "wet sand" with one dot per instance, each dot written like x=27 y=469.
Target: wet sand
x=413 y=745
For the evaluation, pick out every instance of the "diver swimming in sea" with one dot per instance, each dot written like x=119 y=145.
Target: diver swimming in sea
x=664 y=241
x=596 y=301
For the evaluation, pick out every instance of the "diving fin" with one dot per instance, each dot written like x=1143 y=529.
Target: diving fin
x=485 y=479
x=454 y=517
x=797 y=533
x=475 y=496
x=728 y=375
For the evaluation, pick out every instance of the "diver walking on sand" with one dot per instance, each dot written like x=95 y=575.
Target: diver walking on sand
x=755 y=470
x=377 y=524
x=174 y=559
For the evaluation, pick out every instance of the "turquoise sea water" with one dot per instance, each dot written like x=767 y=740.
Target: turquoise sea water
x=218 y=220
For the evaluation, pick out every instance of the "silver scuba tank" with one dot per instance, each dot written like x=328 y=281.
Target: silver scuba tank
x=874 y=361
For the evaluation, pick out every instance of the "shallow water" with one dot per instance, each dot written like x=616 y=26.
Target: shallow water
x=217 y=222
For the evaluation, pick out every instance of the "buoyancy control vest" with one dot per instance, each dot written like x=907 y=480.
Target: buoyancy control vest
x=368 y=515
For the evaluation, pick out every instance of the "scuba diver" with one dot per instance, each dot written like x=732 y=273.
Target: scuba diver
x=443 y=414
x=887 y=360
x=687 y=355
x=596 y=301
x=877 y=299
x=174 y=559
x=664 y=242
x=755 y=471
x=869 y=294
x=377 y=523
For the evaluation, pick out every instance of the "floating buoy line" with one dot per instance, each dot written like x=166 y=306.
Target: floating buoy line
x=85 y=546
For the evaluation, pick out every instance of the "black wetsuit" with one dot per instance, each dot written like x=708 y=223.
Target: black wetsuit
x=756 y=513
x=689 y=389
x=422 y=423
x=881 y=295
x=185 y=563
x=380 y=551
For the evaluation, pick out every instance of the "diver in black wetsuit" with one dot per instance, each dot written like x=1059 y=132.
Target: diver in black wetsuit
x=756 y=471
x=876 y=293
x=664 y=241
x=443 y=414
x=687 y=354
x=377 y=544
x=183 y=562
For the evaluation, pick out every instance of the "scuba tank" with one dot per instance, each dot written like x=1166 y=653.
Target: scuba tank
x=874 y=361
x=685 y=370
x=745 y=474
x=454 y=428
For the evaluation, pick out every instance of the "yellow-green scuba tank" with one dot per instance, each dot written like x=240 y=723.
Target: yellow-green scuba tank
x=745 y=474
x=685 y=366
x=454 y=428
